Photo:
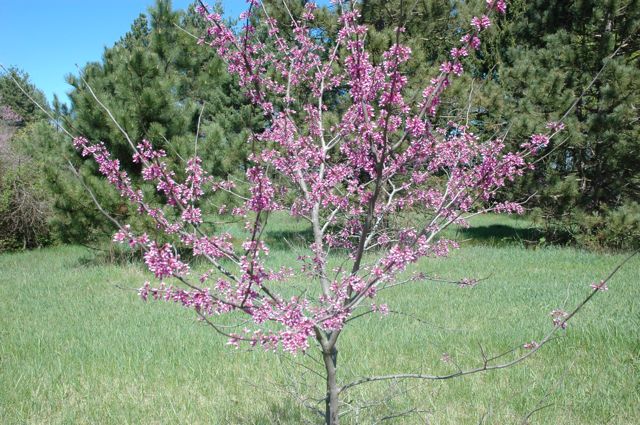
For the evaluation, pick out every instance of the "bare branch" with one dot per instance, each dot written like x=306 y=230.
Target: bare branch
x=486 y=366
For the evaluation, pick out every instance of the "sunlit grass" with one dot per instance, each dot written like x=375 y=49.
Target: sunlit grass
x=76 y=348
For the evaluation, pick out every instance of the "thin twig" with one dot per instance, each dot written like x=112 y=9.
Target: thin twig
x=486 y=367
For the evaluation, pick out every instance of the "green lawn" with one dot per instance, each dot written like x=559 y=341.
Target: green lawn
x=74 y=348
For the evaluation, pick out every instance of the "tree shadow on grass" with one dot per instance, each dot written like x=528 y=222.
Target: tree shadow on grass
x=285 y=239
x=494 y=234
x=502 y=235
x=282 y=414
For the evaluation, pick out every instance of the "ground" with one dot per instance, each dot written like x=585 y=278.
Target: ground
x=78 y=346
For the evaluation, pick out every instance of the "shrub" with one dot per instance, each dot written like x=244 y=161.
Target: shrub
x=24 y=211
x=617 y=229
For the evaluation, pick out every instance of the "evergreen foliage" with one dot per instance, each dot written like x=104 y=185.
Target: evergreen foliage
x=13 y=102
x=162 y=86
x=544 y=57
x=593 y=175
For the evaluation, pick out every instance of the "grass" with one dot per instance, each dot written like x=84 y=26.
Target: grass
x=74 y=348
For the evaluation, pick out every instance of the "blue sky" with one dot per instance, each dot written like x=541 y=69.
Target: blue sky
x=48 y=38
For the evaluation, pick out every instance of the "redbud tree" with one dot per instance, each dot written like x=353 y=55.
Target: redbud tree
x=377 y=185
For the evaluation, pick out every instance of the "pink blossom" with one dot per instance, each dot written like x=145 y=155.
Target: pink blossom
x=499 y=5
x=559 y=318
x=600 y=286
x=457 y=69
x=555 y=126
x=536 y=143
x=122 y=234
x=446 y=67
x=350 y=171
x=380 y=308
x=509 y=208
x=481 y=23
x=163 y=262
x=475 y=42
x=459 y=52
x=467 y=282
x=192 y=215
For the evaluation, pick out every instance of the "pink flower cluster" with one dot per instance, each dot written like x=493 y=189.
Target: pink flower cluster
x=536 y=143
x=351 y=177
x=600 y=286
x=125 y=235
x=559 y=318
x=498 y=5
x=163 y=262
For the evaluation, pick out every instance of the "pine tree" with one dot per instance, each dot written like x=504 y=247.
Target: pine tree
x=160 y=86
x=594 y=170
x=14 y=100
x=545 y=54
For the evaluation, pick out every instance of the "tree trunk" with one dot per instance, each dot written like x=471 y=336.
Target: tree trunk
x=330 y=363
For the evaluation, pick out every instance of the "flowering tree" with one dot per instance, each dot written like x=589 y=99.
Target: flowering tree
x=377 y=185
